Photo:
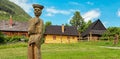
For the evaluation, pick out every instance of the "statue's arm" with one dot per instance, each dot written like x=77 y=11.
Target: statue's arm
x=41 y=27
x=39 y=32
x=31 y=28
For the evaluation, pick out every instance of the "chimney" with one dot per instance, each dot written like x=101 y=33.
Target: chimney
x=63 y=29
x=10 y=22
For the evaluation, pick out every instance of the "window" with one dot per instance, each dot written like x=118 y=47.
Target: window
x=73 y=37
x=68 y=37
x=54 y=37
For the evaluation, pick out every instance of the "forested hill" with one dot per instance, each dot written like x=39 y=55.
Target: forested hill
x=8 y=8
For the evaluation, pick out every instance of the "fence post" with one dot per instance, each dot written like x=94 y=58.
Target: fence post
x=90 y=35
x=116 y=39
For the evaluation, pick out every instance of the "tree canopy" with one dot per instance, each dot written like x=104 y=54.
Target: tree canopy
x=79 y=22
x=111 y=32
x=48 y=23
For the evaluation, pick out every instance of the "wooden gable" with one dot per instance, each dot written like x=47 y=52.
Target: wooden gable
x=97 y=28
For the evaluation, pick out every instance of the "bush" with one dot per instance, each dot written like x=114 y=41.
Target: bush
x=16 y=39
x=7 y=38
x=111 y=32
x=24 y=39
x=1 y=38
x=42 y=40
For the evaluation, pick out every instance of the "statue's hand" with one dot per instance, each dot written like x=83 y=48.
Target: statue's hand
x=31 y=43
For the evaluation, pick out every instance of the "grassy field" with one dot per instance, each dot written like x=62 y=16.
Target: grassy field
x=81 y=50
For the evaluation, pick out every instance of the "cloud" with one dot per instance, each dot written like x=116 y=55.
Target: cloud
x=49 y=14
x=118 y=13
x=90 y=3
x=52 y=11
x=92 y=14
x=74 y=3
x=23 y=4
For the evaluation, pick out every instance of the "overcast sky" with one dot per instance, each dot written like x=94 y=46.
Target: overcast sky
x=60 y=11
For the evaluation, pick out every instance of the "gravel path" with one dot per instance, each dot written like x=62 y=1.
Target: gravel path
x=110 y=47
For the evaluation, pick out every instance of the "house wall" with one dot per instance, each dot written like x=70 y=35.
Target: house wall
x=13 y=33
x=93 y=38
x=60 y=39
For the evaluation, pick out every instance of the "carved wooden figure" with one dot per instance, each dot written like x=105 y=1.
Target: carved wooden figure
x=35 y=32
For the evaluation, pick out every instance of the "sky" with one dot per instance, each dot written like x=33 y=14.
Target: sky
x=61 y=11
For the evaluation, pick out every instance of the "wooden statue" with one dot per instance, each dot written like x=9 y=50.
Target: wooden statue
x=35 y=32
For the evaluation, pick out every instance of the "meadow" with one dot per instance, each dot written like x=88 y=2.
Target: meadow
x=81 y=50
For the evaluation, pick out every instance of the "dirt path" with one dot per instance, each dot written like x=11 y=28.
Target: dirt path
x=110 y=47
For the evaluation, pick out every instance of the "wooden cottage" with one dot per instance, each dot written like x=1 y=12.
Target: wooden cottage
x=61 y=34
x=94 y=31
x=11 y=28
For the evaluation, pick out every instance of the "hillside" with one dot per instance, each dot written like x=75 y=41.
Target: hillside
x=8 y=8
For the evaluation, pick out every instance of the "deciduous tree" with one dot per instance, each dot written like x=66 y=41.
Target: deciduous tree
x=78 y=21
x=48 y=23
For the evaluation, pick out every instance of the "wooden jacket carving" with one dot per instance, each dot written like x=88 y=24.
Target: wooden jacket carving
x=35 y=32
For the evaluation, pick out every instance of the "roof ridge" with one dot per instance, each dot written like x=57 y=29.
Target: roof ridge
x=94 y=23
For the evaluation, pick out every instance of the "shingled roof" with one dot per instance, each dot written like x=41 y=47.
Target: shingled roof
x=56 y=30
x=17 y=26
x=96 y=28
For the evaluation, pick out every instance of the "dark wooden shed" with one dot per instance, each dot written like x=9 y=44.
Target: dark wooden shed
x=94 y=31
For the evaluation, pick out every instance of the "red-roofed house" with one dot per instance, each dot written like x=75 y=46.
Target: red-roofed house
x=11 y=28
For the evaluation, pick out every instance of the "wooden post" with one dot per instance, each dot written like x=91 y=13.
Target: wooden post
x=90 y=35
x=116 y=39
x=79 y=36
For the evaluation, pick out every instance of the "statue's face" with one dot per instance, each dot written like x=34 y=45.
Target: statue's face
x=37 y=12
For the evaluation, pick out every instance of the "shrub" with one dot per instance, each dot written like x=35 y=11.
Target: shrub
x=16 y=39
x=24 y=39
x=1 y=38
x=7 y=38
x=42 y=40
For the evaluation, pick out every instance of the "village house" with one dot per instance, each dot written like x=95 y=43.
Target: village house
x=94 y=31
x=61 y=34
x=13 y=28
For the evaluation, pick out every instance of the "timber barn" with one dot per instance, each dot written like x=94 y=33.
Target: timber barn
x=94 y=31
x=14 y=28
x=61 y=34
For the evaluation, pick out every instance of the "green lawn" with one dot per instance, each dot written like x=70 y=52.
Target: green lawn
x=81 y=50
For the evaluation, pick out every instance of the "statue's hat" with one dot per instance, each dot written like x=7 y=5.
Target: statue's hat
x=37 y=6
